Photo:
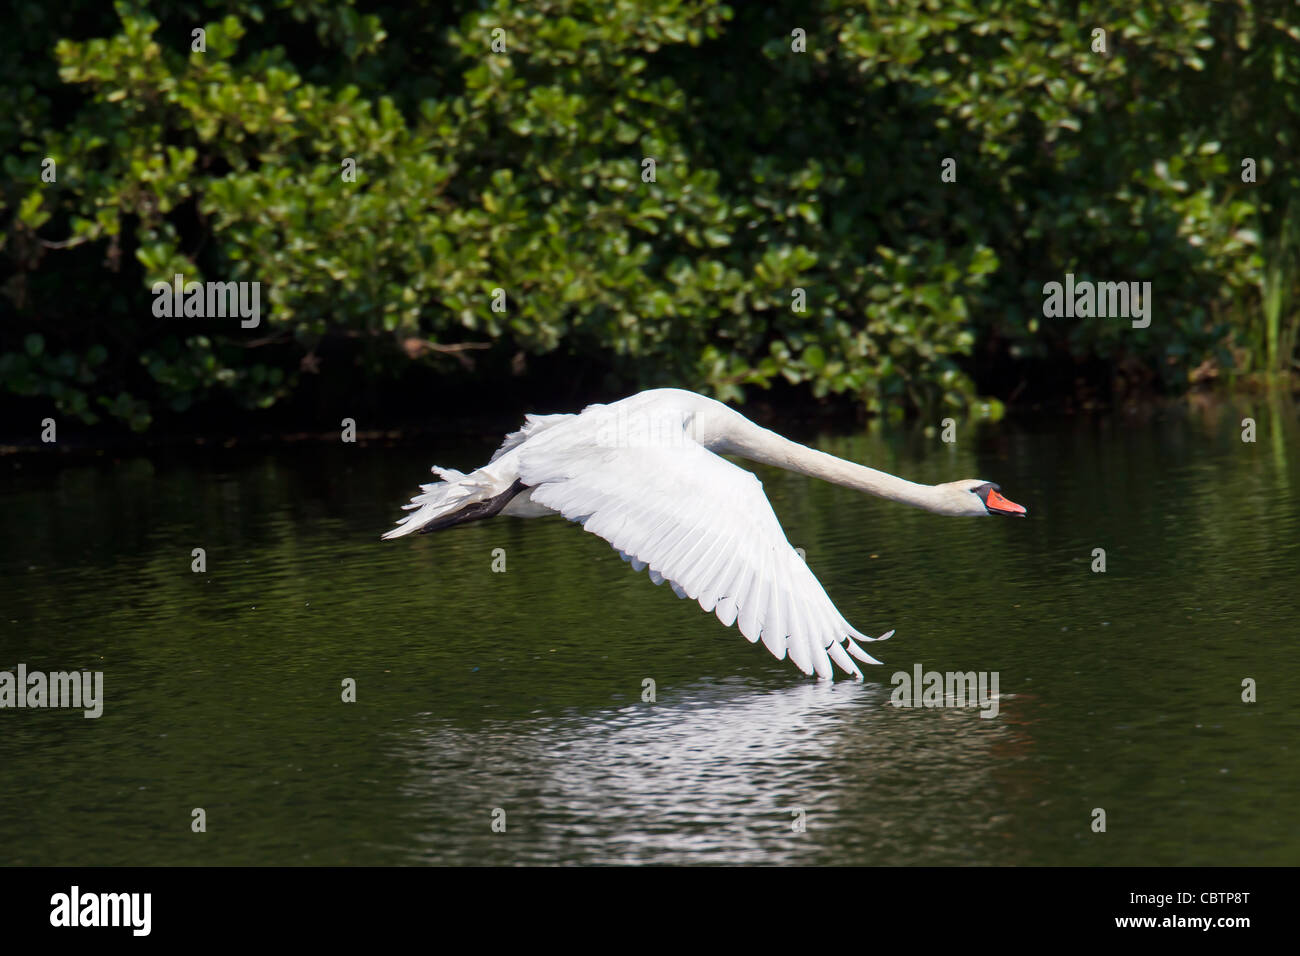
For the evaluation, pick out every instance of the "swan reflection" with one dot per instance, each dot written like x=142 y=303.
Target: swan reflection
x=712 y=771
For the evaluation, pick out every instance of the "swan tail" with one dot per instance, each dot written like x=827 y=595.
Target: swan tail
x=456 y=499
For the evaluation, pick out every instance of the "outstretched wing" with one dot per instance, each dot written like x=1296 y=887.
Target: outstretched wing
x=705 y=526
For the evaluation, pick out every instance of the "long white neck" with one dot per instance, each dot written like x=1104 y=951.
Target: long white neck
x=755 y=443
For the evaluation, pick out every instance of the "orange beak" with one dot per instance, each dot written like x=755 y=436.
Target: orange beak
x=996 y=503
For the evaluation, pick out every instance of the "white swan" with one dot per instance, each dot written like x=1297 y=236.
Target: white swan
x=645 y=474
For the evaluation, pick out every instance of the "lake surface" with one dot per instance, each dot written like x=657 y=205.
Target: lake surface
x=521 y=692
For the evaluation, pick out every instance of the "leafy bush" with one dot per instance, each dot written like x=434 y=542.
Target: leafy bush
x=522 y=170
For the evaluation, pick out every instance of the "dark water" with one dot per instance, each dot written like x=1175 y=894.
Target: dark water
x=522 y=691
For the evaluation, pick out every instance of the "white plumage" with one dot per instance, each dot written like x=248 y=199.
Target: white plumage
x=646 y=475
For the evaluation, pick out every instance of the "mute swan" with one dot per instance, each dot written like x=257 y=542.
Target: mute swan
x=645 y=473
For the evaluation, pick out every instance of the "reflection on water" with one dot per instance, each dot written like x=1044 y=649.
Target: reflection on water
x=722 y=771
x=522 y=691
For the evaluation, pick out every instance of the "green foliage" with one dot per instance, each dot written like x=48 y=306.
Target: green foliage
x=521 y=170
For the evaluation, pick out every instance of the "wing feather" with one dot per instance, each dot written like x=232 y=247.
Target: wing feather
x=704 y=525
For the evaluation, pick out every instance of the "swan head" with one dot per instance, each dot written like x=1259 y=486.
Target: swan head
x=977 y=497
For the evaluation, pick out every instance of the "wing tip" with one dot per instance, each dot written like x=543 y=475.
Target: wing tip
x=860 y=654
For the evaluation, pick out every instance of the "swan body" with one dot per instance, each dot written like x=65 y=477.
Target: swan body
x=646 y=474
